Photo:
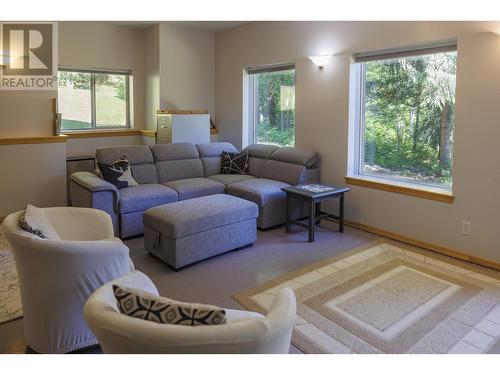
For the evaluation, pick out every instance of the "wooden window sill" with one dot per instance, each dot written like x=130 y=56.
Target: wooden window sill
x=102 y=133
x=421 y=192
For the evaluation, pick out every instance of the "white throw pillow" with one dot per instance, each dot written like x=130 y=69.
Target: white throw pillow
x=34 y=221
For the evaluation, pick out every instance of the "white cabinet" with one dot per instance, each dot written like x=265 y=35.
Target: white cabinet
x=182 y=127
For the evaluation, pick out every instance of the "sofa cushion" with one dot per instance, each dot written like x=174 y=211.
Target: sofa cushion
x=260 y=151
x=292 y=174
x=177 y=161
x=142 y=197
x=262 y=191
x=174 y=151
x=255 y=166
x=195 y=187
x=201 y=214
x=295 y=155
x=228 y=179
x=210 y=155
x=171 y=170
x=140 y=159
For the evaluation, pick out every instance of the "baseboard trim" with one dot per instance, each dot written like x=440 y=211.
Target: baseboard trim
x=425 y=245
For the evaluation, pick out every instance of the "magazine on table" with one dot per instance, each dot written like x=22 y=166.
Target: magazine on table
x=315 y=188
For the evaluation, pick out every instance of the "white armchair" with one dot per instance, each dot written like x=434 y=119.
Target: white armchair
x=57 y=276
x=244 y=332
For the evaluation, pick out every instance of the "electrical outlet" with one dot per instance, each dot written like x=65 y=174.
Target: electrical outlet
x=466 y=228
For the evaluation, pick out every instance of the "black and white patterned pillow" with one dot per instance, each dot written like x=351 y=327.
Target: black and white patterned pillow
x=118 y=173
x=234 y=163
x=143 y=305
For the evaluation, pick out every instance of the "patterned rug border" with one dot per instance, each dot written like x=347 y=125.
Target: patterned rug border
x=243 y=298
x=7 y=251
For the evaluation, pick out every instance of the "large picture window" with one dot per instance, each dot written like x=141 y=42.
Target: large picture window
x=406 y=115
x=272 y=105
x=93 y=100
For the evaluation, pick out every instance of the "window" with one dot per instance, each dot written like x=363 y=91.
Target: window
x=93 y=100
x=405 y=114
x=272 y=105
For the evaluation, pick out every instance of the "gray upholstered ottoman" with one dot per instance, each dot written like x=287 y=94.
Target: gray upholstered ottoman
x=184 y=232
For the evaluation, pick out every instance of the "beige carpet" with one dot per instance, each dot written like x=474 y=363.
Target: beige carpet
x=389 y=298
x=10 y=298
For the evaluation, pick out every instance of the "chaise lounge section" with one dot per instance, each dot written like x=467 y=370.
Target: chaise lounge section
x=174 y=172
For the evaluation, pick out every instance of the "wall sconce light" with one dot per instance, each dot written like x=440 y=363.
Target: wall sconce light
x=320 y=61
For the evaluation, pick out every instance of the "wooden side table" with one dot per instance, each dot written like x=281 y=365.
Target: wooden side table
x=314 y=194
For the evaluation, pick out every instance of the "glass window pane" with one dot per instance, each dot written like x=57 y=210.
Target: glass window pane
x=409 y=118
x=74 y=100
x=110 y=100
x=274 y=112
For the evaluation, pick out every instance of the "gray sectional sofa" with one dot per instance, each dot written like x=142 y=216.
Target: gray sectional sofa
x=171 y=172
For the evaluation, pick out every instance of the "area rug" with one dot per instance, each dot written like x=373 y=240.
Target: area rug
x=389 y=298
x=10 y=298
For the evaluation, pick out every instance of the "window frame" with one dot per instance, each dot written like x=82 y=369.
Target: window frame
x=360 y=60
x=252 y=91
x=94 y=127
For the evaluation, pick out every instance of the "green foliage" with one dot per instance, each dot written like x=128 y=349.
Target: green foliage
x=120 y=90
x=75 y=80
x=409 y=113
x=275 y=112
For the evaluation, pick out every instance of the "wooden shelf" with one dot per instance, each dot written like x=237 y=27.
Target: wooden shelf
x=33 y=140
x=182 y=112
x=102 y=133
x=148 y=133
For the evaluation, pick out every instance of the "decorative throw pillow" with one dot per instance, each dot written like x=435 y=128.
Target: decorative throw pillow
x=143 y=305
x=34 y=221
x=234 y=163
x=118 y=173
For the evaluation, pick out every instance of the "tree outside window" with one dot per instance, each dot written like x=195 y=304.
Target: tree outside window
x=274 y=107
x=408 y=106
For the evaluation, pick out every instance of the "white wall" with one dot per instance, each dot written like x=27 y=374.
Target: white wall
x=322 y=106
x=101 y=45
x=186 y=68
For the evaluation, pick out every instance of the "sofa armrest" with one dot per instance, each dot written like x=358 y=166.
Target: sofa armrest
x=311 y=176
x=88 y=190
x=93 y=183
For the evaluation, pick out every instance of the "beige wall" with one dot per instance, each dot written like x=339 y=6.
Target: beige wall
x=32 y=173
x=186 y=68
x=322 y=109
x=101 y=45
x=151 y=75
x=26 y=113
x=36 y=173
x=88 y=146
